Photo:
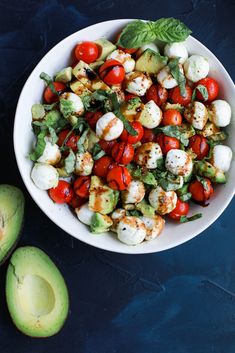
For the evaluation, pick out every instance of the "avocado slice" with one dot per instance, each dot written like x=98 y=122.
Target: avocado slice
x=100 y=223
x=150 y=62
x=37 y=296
x=11 y=218
x=219 y=177
x=96 y=64
x=204 y=168
x=64 y=75
x=105 y=48
x=145 y=209
x=175 y=106
x=38 y=111
x=79 y=88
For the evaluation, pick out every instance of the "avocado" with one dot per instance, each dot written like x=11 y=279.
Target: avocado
x=183 y=190
x=100 y=223
x=205 y=169
x=64 y=75
x=176 y=106
x=145 y=209
x=209 y=130
x=62 y=172
x=105 y=48
x=79 y=88
x=220 y=136
x=92 y=139
x=131 y=108
x=96 y=64
x=150 y=62
x=97 y=84
x=219 y=177
x=36 y=293
x=102 y=199
x=11 y=218
x=72 y=119
x=38 y=111
x=82 y=69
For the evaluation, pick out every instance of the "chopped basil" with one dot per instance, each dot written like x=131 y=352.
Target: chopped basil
x=69 y=162
x=53 y=135
x=168 y=181
x=81 y=141
x=97 y=152
x=184 y=219
x=203 y=90
x=179 y=132
x=49 y=82
x=203 y=182
x=133 y=213
x=39 y=147
x=48 y=107
x=185 y=197
x=178 y=76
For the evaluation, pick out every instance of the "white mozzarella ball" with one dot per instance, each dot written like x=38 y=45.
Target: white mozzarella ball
x=109 y=127
x=176 y=50
x=83 y=163
x=44 y=176
x=222 y=157
x=166 y=79
x=51 y=154
x=196 y=67
x=196 y=114
x=116 y=216
x=124 y=58
x=148 y=154
x=151 y=46
x=153 y=225
x=220 y=113
x=77 y=106
x=179 y=162
x=131 y=230
x=84 y=214
x=134 y=193
x=163 y=201
x=151 y=115
x=137 y=83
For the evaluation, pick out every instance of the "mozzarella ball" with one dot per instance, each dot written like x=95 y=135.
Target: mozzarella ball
x=51 y=154
x=109 y=127
x=116 y=216
x=84 y=214
x=77 y=106
x=196 y=114
x=124 y=58
x=44 y=176
x=179 y=162
x=163 y=201
x=222 y=157
x=220 y=113
x=153 y=225
x=151 y=46
x=134 y=193
x=148 y=154
x=176 y=50
x=137 y=83
x=131 y=230
x=151 y=115
x=166 y=79
x=83 y=163
x=196 y=67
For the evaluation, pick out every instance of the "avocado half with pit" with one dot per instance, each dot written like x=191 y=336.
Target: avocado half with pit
x=11 y=218
x=36 y=293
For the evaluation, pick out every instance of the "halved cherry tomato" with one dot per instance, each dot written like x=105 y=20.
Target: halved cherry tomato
x=112 y=72
x=148 y=136
x=71 y=141
x=181 y=209
x=77 y=201
x=107 y=145
x=172 y=117
x=199 y=192
x=123 y=152
x=103 y=165
x=126 y=137
x=212 y=87
x=167 y=143
x=87 y=51
x=126 y=50
x=62 y=193
x=92 y=118
x=82 y=185
x=118 y=178
x=176 y=97
x=157 y=93
x=49 y=96
x=199 y=145
x=129 y=96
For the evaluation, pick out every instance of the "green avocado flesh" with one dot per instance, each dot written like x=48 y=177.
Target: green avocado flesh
x=37 y=296
x=11 y=218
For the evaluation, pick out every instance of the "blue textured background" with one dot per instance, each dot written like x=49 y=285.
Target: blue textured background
x=178 y=301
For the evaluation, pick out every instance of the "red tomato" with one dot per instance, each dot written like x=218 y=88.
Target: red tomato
x=176 y=97
x=62 y=193
x=126 y=50
x=157 y=93
x=92 y=118
x=49 y=96
x=71 y=141
x=199 y=192
x=118 y=178
x=77 y=201
x=212 y=87
x=126 y=137
x=103 y=165
x=172 y=117
x=148 y=136
x=112 y=72
x=87 y=51
x=123 y=152
x=82 y=185
x=199 y=145
x=167 y=143
x=129 y=96
x=181 y=209
x=107 y=145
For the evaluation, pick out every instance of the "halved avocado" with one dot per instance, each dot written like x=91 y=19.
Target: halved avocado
x=11 y=218
x=37 y=296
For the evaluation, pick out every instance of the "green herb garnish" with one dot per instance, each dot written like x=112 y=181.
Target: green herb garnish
x=178 y=76
x=184 y=219
x=49 y=82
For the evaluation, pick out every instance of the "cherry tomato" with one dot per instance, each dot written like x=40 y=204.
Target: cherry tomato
x=123 y=152
x=212 y=87
x=71 y=141
x=199 y=192
x=77 y=201
x=112 y=72
x=167 y=143
x=126 y=50
x=157 y=93
x=82 y=185
x=62 y=193
x=92 y=118
x=126 y=137
x=199 y=145
x=129 y=96
x=118 y=178
x=49 y=96
x=181 y=209
x=103 y=165
x=176 y=97
x=107 y=146
x=148 y=136
x=87 y=51
x=172 y=117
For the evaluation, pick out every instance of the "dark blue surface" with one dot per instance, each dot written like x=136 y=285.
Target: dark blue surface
x=178 y=301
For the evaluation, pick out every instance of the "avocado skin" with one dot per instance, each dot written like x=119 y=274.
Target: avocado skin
x=11 y=213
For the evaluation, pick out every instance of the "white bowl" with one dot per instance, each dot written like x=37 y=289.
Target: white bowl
x=174 y=234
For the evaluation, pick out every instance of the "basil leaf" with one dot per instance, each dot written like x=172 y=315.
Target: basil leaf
x=203 y=182
x=97 y=152
x=69 y=162
x=203 y=90
x=185 y=197
x=66 y=107
x=178 y=132
x=133 y=102
x=54 y=137
x=39 y=147
x=80 y=143
x=145 y=176
x=133 y=213
x=194 y=95
x=178 y=76
x=49 y=82
x=168 y=181
x=126 y=123
x=48 y=107
x=184 y=219
x=136 y=34
x=171 y=30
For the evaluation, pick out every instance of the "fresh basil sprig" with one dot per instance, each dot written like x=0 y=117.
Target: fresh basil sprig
x=184 y=219
x=178 y=76
x=203 y=90
x=49 y=82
